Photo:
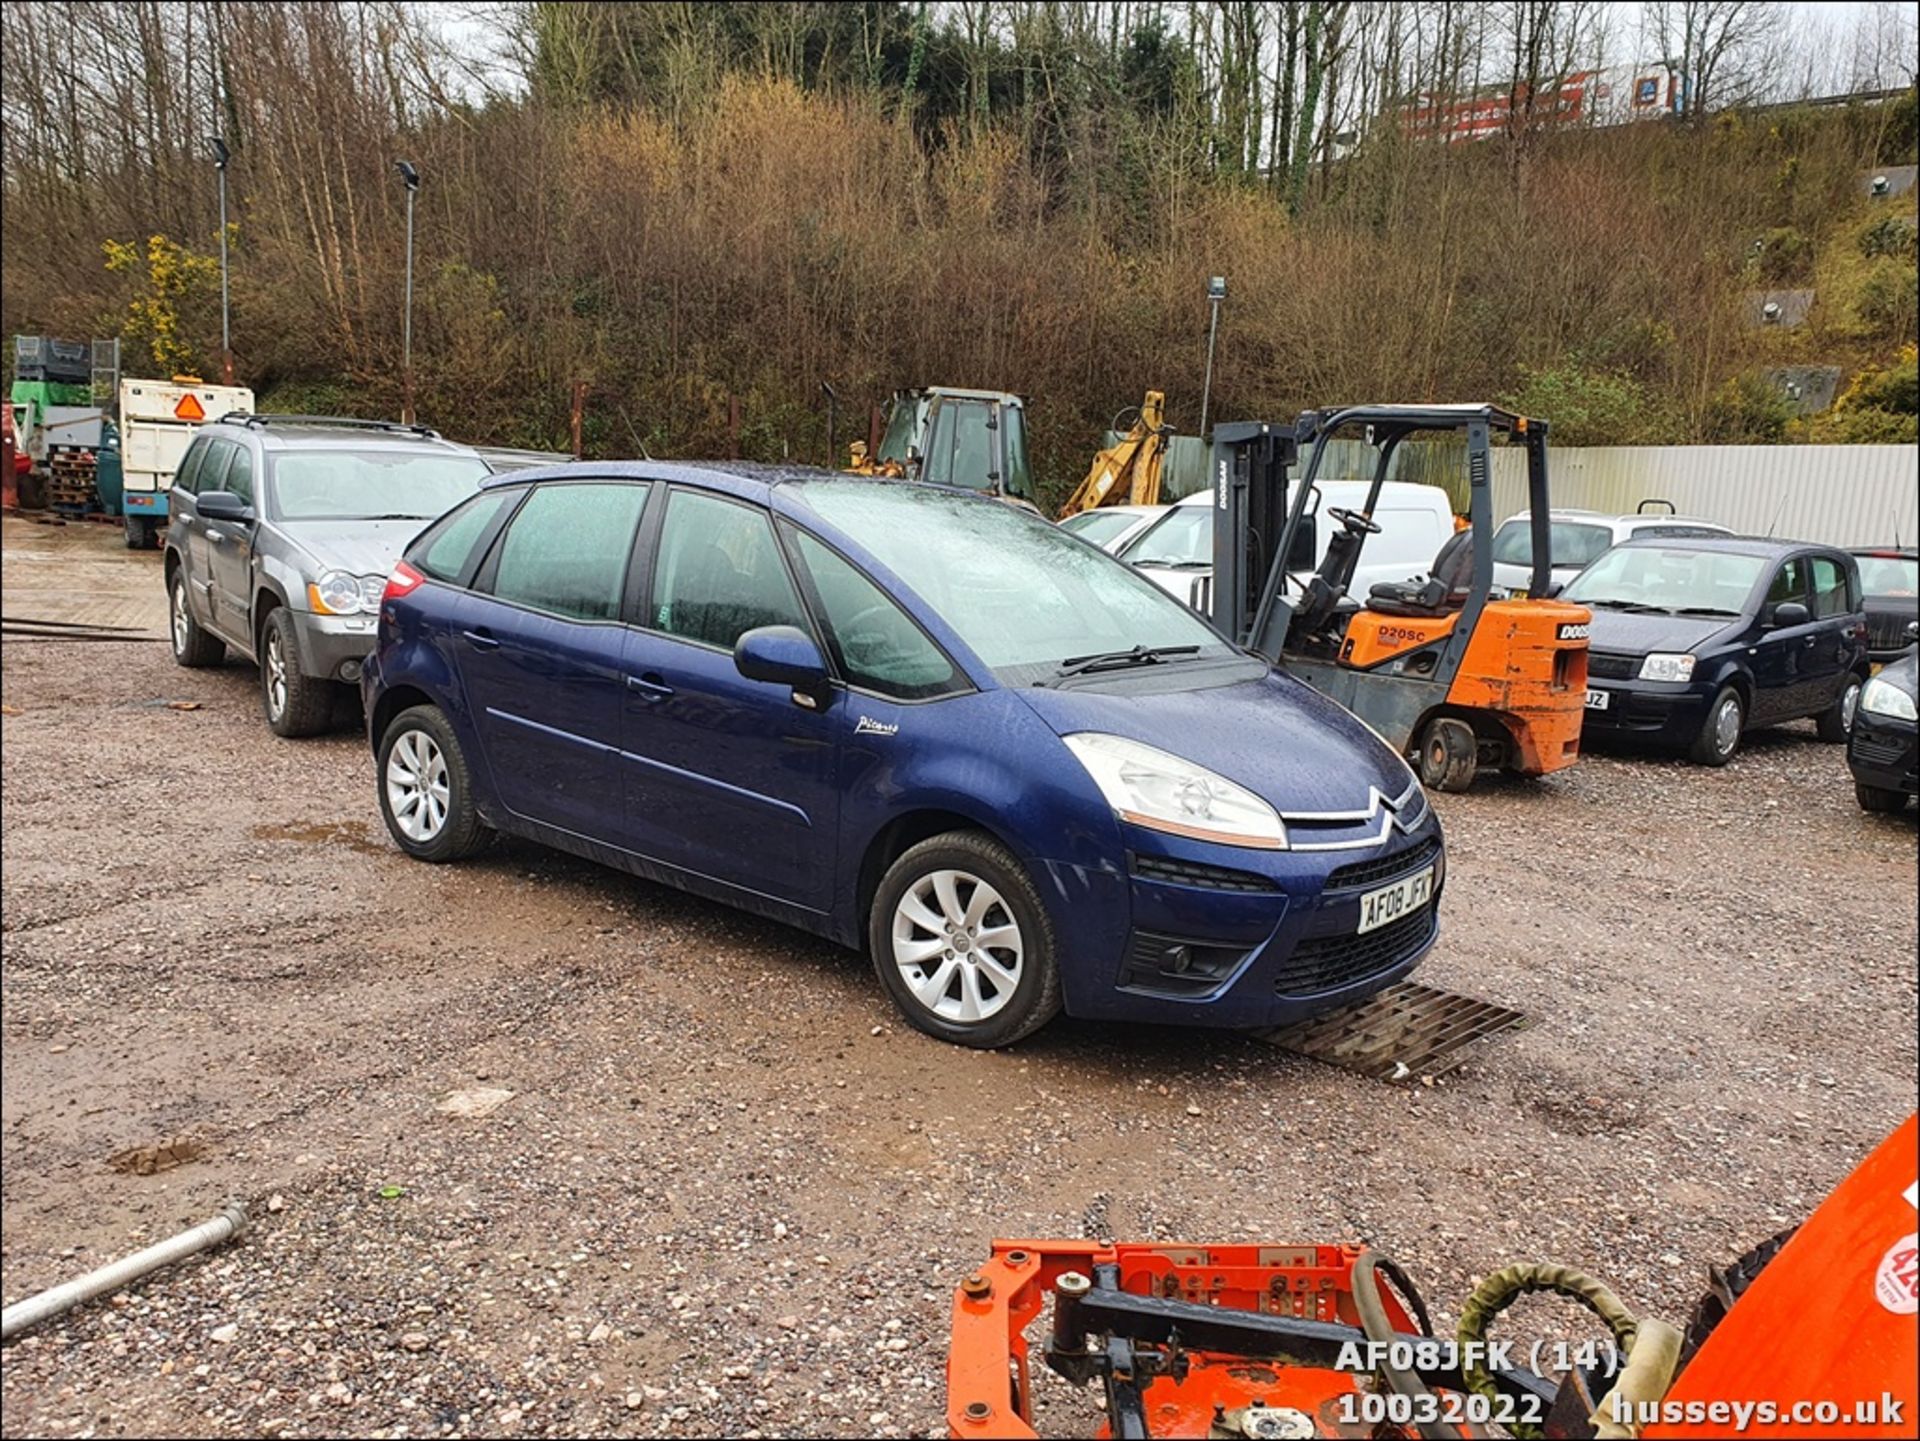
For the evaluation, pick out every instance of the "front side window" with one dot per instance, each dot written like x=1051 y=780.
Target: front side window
x=719 y=573
x=1789 y=583
x=880 y=647
x=1830 y=593
x=1024 y=597
x=567 y=550
x=446 y=551
x=239 y=477
x=212 y=474
x=1653 y=578
x=372 y=484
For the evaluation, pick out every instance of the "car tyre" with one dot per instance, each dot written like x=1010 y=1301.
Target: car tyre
x=1836 y=721
x=193 y=647
x=426 y=788
x=1720 y=730
x=296 y=704
x=958 y=928
x=1448 y=754
x=1880 y=801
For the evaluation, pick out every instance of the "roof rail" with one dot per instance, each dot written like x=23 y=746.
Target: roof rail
x=329 y=422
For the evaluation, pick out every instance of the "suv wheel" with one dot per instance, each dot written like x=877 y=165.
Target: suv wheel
x=1719 y=735
x=426 y=788
x=192 y=646
x=962 y=943
x=1836 y=721
x=296 y=703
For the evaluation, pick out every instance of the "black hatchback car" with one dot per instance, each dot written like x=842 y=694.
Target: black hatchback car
x=1884 y=751
x=1697 y=640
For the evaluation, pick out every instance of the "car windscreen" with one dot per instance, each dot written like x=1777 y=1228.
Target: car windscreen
x=1572 y=544
x=1668 y=578
x=1182 y=538
x=371 y=484
x=1097 y=527
x=1889 y=574
x=1023 y=596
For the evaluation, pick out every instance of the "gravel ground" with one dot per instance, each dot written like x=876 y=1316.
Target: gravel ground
x=730 y=1193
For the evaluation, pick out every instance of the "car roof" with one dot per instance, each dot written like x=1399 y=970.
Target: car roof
x=1762 y=546
x=1614 y=518
x=1886 y=552
x=321 y=432
x=747 y=479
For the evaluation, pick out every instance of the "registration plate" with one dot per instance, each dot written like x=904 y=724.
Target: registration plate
x=1599 y=699
x=1390 y=903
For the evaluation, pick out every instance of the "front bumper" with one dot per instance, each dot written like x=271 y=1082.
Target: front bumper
x=334 y=647
x=1207 y=935
x=1881 y=752
x=1664 y=712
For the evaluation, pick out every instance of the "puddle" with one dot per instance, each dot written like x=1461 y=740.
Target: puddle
x=351 y=834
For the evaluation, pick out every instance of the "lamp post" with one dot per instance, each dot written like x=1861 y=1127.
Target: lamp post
x=220 y=157
x=1216 y=292
x=410 y=178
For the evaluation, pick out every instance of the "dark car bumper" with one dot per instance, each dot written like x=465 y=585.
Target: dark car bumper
x=1663 y=712
x=1220 y=936
x=1881 y=752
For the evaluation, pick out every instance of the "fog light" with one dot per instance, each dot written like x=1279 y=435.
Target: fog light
x=350 y=671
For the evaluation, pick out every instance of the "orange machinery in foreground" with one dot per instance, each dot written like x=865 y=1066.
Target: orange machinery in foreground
x=1298 y=1341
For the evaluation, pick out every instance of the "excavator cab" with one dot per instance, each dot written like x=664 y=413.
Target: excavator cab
x=1445 y=670
x=973 y=439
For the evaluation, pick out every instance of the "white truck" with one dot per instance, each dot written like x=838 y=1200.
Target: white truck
x=157 y=421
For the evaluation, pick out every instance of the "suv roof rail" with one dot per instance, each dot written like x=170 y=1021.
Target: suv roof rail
x=254 y=421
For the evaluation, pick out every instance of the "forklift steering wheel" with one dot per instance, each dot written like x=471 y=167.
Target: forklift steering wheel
x=1355 y=523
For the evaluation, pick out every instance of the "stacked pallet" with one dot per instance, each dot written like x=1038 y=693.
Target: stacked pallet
x=70 y=479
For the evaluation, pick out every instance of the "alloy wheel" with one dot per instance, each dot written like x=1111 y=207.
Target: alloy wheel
x=958 y=945
x=418 y=790
x=276 y=676
x=179 y=617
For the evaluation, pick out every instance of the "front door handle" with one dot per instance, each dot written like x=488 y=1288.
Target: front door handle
x=649 y=687
x=218 y=537
x=480 y=640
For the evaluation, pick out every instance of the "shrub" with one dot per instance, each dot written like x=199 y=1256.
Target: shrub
x=1747 y=410
x=1591 y=407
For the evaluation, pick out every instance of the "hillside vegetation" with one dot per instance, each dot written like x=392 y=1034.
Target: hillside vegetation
x=734 y=224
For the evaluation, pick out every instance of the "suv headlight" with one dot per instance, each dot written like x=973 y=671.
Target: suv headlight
x=1884 y=698
x=337 y=593
x=1149 y=787
x=1662 y=666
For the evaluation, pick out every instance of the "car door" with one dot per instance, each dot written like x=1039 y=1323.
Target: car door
x=185 y=531
x=1781 y=654
x=1835 y=618
x=727 y=777
x=538 y=645
x=230 y=545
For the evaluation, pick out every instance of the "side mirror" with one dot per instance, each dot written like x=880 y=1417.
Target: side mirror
x=783 y=655
x=1912 y=632
x=1554 y=587
x=1790 y=613
x=222 y=505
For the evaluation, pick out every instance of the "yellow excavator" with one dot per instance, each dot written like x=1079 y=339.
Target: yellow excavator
x=1128 y=471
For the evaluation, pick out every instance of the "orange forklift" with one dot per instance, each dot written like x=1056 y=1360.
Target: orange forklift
x=1449 y=673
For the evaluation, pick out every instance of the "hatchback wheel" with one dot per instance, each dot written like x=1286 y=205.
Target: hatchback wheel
x=1719 y=734
x=192 y=646
x=426 y=788
x=962 y=943
x=1883 y=802
x=297 y=704
x=1836 y=722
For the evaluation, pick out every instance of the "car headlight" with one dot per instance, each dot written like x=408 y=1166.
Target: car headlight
x=1149 y=787
x=1662 y=666
x=337 y=593
x=1884 y=698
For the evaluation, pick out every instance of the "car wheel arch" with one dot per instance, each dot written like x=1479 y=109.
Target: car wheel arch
x=392 y=702
x=900 y=834
x=267 y=598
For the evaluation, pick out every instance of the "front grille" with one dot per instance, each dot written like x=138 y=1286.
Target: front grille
x=1194 y=873
x=1612 y=667
x=1875 y=752
x=1384 y=868
x=1887 y=630
x=1327 y=963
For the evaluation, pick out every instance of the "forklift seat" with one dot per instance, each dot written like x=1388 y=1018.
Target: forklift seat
x=1442 y=593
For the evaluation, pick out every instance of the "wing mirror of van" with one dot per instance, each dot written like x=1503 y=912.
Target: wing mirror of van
x=783 y=655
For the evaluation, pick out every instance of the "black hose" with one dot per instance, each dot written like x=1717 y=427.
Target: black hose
x=1380 y=1330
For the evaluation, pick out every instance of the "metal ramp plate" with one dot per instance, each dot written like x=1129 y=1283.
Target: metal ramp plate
x=1404 y=1033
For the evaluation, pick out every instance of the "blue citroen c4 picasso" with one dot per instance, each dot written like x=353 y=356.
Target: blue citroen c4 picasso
x=914 y=720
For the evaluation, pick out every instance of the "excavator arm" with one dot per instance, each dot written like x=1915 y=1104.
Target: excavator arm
x=1128 y=471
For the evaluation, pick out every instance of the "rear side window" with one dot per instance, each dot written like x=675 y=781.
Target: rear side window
x=719 y=574
x=1832 y=595
x=1789 y=583
x=567 y=549
x=445 y=552
x=879 y=646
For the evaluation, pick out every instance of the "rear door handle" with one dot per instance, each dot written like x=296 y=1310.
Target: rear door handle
x=480 y=640
x=649 y=687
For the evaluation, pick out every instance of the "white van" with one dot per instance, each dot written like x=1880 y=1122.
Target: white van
x=1176 y=552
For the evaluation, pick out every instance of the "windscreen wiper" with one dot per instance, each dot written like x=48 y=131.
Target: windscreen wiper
x=1705 y=610
x=1637 y=607
x=1121 y=659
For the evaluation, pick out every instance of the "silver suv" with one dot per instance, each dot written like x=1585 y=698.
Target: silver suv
x=282 y=530
x=1580 y=537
